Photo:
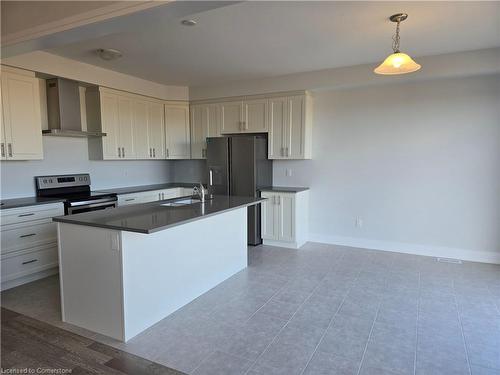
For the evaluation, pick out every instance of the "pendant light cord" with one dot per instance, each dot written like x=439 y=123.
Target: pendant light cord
x=395 y=39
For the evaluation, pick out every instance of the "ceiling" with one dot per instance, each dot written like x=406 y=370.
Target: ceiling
x=260 y=39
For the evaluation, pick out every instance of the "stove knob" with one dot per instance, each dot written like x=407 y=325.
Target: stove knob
x=79 y=178
x=44 y=180
x=50 y=180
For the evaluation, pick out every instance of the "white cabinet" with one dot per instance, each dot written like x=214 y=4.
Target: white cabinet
x=177 y=134
x=149 y=196
x=28 y=243
x=126 y=127
x=290 y=127
x=231 y=114
x=156 y=130
x=135 y=126
x=247 y=116
x=255 y=116
x=284 y=218
x=205 y=122
x=21 y=121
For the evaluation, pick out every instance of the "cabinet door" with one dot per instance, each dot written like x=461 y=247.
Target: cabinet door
x=295 y=130
x=269 y=217
x=3 y=145
x=177 y=131
x=140 y=136
x=214 y=120
x=126 y=127
x=22 y=117
x=109 y=120
x=156 y=129
x=277 y=123
x=255 y=116
x=199 y=131
x=231 y=117
x=286 y=217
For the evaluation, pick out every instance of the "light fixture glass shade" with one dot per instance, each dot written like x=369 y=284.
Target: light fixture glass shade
x=397 y=63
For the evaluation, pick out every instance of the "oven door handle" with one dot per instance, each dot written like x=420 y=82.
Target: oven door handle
x=85 y=203
x=108 y=203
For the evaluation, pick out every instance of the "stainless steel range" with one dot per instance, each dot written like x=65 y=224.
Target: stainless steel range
x=75 y=190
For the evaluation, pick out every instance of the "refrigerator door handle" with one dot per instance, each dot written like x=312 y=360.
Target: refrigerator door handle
x=210 y=177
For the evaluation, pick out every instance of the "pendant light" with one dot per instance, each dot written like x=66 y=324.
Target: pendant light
x=398 y=62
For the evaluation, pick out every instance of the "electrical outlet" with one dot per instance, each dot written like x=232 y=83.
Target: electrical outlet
x=358 y=222
x=288 y=172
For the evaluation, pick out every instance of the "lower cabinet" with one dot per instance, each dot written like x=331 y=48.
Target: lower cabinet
x=284 y=218
x=28 y=243
x=150 y=196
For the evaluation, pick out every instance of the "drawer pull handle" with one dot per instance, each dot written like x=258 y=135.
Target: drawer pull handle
x=129 y=199
x=27 y=235
x=23 y=215
x=30 y=261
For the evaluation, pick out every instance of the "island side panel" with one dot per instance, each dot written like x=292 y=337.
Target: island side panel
x=90 y=269
x=164 y=271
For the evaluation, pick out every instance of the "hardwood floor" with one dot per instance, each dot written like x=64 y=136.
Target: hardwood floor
x=30 y=343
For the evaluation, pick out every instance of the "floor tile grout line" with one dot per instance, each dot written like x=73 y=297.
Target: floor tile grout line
x=416 y=326
x=461 y=327
x=286 y=324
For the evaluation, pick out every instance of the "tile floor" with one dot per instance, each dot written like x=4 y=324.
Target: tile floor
x=320 y=310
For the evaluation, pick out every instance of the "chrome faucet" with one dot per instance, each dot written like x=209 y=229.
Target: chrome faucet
x=200 y=192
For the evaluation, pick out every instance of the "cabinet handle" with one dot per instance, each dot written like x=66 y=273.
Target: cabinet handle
x=162 y=195
x=154 y=152
x=168 y=153
x=23 y=215
x=129 y=199
x=123 y=151
x=30 y=261
x=287 y=153
x=3 y=150
x=9 y=146
x=150 y=153
x=119 y=152
x=27 y=235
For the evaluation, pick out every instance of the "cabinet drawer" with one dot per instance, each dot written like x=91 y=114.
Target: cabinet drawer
x=26 y=236
x=124 y=200
x=21 y=265
x=18 y=215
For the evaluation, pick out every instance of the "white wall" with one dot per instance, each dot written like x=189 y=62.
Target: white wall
x=70 y=155
x=418 y=162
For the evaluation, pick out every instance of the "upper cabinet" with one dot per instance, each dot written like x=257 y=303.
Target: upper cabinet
x=21 y=121
x=247 y=116
x=177 y=133
x=205 y=122
x=287 y=119
x=136 y=127
x=290 y=127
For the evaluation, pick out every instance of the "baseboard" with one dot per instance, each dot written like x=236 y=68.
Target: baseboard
x=288 y=245
x=29 y=278
x=409 y=248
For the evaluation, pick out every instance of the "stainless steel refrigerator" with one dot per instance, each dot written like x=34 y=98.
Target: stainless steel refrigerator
x=238 y=165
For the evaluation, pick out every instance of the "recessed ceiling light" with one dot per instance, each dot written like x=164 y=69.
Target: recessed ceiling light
x=188 y=22
x=109 y=54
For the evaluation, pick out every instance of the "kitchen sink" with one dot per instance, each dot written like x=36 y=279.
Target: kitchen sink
x=181 y=202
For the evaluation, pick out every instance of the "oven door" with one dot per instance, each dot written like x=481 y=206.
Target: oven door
x=87 y=207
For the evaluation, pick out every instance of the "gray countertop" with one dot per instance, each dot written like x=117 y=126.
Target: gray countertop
x=141 y=188
x=153 y=217
x=5 y=204
x=284 y=189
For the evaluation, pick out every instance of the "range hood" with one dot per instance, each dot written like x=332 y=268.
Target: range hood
x=63 y=110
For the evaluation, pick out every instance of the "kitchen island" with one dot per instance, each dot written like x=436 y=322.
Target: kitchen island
x=124 y=269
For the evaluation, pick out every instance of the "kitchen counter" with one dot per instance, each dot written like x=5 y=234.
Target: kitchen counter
x=284 y=189
x=141 y=188
x=27 y=201
x=153 y=217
